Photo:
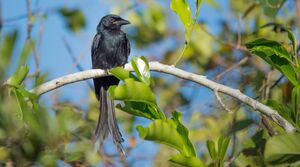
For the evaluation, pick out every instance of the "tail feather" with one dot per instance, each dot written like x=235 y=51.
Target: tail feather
x=113 y=126
x=107 y=122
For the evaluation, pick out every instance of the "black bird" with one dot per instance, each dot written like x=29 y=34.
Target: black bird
x=110 y=49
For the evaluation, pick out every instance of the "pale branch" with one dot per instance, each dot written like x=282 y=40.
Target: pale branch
x=156 y=66
x=220 y=101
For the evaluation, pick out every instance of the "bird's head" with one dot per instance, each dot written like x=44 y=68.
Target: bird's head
x=111 y=22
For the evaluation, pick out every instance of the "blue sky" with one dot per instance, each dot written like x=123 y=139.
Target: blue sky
x=55 y=58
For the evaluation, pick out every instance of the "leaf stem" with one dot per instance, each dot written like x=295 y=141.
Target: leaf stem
x=187 y=37
x=181 y=54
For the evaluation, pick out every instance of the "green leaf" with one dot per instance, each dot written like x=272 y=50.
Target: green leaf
x=182 y=9
x=18 y=77
x=269 y=48
x=142 y=69
x=281 y=28
x=222 y=147
x=198 y=4
x=170 y=132
x=121 y=73
x=283 y=149
x=241 y=124
x=26 y=93
x=141 y=109
x=274 y=54
x=186 y=161
x=74 y=18
x=133 y=91
x=162 y=132
x=28 y=47
x=271 y=7
x=295 y=103
x=184 y=132
x=292 y=38
x=211 y=149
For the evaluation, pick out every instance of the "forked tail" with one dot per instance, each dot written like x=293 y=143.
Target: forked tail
x=107 y=122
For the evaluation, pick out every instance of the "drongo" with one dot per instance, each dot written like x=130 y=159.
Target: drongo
x=110 y=49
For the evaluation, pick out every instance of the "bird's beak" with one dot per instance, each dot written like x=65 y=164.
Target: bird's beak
x=122 y=22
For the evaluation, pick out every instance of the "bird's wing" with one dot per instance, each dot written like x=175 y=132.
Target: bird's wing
x=95 y=49
x=128 y=46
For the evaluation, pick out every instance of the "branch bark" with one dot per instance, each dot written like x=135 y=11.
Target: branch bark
x=156 y=66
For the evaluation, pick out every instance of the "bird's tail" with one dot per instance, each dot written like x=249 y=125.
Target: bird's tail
x=107 y=123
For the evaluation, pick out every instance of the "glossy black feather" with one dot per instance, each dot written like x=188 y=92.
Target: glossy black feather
x=110 y=49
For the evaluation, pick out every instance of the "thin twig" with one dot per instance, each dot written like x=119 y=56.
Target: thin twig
x=29 y=23
x=273 y=85
x=29 y=29
x=74 y=59
x=41 y=30
x=267 y=125
x=230 y=44
x=239 y=33
x=156 y=66
x=187 y=40
x=220 y=101
x=37 y=60
x=71 y=53
x=241 y=62
x=277 y=81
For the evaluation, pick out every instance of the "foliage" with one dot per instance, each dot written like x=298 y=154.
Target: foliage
x=189 y=126
x=74 y=18
x=217 y=151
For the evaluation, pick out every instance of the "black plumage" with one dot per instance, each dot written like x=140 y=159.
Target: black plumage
x=110 y=49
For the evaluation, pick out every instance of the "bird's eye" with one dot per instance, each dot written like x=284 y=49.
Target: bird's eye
x=111 y=20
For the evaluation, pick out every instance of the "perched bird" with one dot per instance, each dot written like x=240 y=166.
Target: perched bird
x=110 y=49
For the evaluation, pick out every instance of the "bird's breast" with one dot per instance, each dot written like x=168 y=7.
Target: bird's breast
x=115 y=50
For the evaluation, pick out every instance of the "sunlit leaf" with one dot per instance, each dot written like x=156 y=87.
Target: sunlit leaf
x=281 y=28
x=133 y=91
x=198 y=3
x=283 y=149
x=292 y=38
x=211 y=149
x=176 y=117
x=161 y=130
x=186 y=161
x=18 y=77
x=141 y=67
x=182 y=9
x=222 y=147
x=274 y=54
x=121 y=73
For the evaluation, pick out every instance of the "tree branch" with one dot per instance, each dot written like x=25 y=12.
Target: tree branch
x=156 y=66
